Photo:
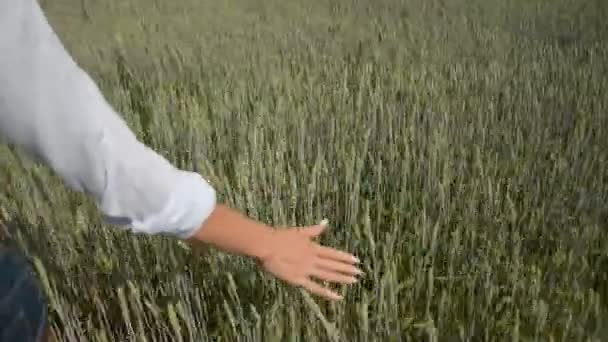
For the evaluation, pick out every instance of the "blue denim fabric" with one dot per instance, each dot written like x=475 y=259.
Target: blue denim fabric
x=23 y=307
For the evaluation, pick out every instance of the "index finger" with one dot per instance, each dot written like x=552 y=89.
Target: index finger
x=319 y=290
x=331 y=253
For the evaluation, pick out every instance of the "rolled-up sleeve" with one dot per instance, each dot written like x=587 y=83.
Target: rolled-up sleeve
x=52 y=109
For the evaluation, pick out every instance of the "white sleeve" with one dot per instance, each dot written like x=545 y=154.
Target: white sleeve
x=51 y=108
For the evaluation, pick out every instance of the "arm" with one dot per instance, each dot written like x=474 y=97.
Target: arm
x=50 y=107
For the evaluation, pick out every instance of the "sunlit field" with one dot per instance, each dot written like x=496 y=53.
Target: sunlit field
x=458 y=148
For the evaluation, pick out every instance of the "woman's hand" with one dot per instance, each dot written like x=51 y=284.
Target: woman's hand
x=289 y=254
x=294 y=257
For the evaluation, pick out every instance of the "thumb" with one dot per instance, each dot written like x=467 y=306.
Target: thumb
x=314 y=231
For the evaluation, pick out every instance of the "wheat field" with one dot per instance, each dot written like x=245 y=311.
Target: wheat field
x=458 y=148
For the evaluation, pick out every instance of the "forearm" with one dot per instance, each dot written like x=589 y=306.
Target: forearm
x=233 y=232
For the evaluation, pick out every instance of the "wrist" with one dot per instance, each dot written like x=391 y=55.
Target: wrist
x=235 y=233
x=262 y=244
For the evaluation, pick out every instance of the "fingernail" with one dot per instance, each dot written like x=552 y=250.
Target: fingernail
x=356 y=260
x=324 y=222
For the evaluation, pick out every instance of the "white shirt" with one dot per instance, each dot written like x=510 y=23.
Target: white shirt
x=52 y=109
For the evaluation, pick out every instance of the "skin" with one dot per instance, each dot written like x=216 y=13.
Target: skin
x=290 y=254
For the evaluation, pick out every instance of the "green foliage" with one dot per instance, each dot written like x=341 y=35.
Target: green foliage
x=457 y=147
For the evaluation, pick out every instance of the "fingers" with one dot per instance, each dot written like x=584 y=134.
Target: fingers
x=314 y=231
x=329 y=265
x=336 y=266
x=319 y=290
x=333 y=277
x=334 y=254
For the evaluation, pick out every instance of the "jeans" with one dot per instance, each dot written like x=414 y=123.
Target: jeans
x=23 y=306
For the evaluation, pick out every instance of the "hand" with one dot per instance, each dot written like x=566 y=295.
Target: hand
x=294 y=257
